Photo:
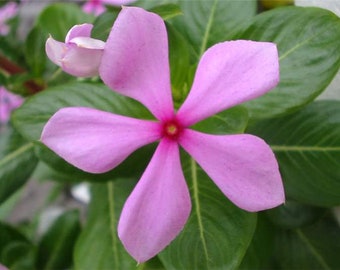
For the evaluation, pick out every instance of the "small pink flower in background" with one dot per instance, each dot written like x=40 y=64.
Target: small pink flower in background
x=97 y=7
x=80 y=55
x=135 y=63
x=8 y=102
x=7 y=12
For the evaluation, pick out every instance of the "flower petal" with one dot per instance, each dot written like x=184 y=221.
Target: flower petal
x=94 y=7
x=81 y=62
x=79 y=30
x=158 y=207
x=242 y=166
x=228 y=74
x=96 y=141
x=135 y=61
x=88 y=43
x=55 y=50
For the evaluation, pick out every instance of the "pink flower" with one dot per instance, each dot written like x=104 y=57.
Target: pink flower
x=135 y=64
x=97 y=7
x=80 y=55
x=8 y=102
x=7 y=12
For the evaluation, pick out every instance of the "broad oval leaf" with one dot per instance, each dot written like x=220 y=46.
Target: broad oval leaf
x=17 y=162
x=206 y=22
x=98 y=246
x=217 y=233
x=308 y=44
x=307 y=146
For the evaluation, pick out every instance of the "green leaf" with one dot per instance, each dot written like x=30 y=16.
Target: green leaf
x=307 y=146
x=217 y=233
x=103 y=24
x=35 y=51
x=260 y=251
x=179 y=57
x=17 y=162
x=98 y=246
x=309 y=59
x=206 y=22
x=56 y=246
x=231 y=121
x=16 y=251
x=293 y=215
x=167 y=11
x=57 y=19
x=313 y=247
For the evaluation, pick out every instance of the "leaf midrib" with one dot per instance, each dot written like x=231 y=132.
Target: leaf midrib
x=13 y=155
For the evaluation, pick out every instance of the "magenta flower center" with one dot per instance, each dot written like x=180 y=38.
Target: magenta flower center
x=172 y=129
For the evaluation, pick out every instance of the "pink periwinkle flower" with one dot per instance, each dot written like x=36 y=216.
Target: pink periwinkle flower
x=135 y=63
x=97 y=7
x=8 y=102
x=80 y=55
x=7 y=12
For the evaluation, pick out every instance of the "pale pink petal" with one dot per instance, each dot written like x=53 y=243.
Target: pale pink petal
x=55 y=50
x=242 y=166
x=135 y=61
x=8 y=11
x=79 y=30
x=158 y=207
x=228 y=74
x=8 y=102
x=81 y=62
x=96 y=141
x=88 y=43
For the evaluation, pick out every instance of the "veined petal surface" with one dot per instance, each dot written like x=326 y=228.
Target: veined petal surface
x=242 y=166
x=96 y=141
x=158 y=207
x=228 y=74
x=135 y=60
x=79 y=30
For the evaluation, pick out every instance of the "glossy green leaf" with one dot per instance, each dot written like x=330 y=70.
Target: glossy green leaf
x=206 y=22
x=312 y=247
x=308 y=44
x=231 y=121
x=57 y=19
x=56 y=246
x=15 y=152
x=307 y=146
x=98 y=246
x=217 y=233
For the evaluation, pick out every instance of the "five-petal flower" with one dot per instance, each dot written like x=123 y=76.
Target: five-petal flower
x=80 y=55
x=135 y=64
